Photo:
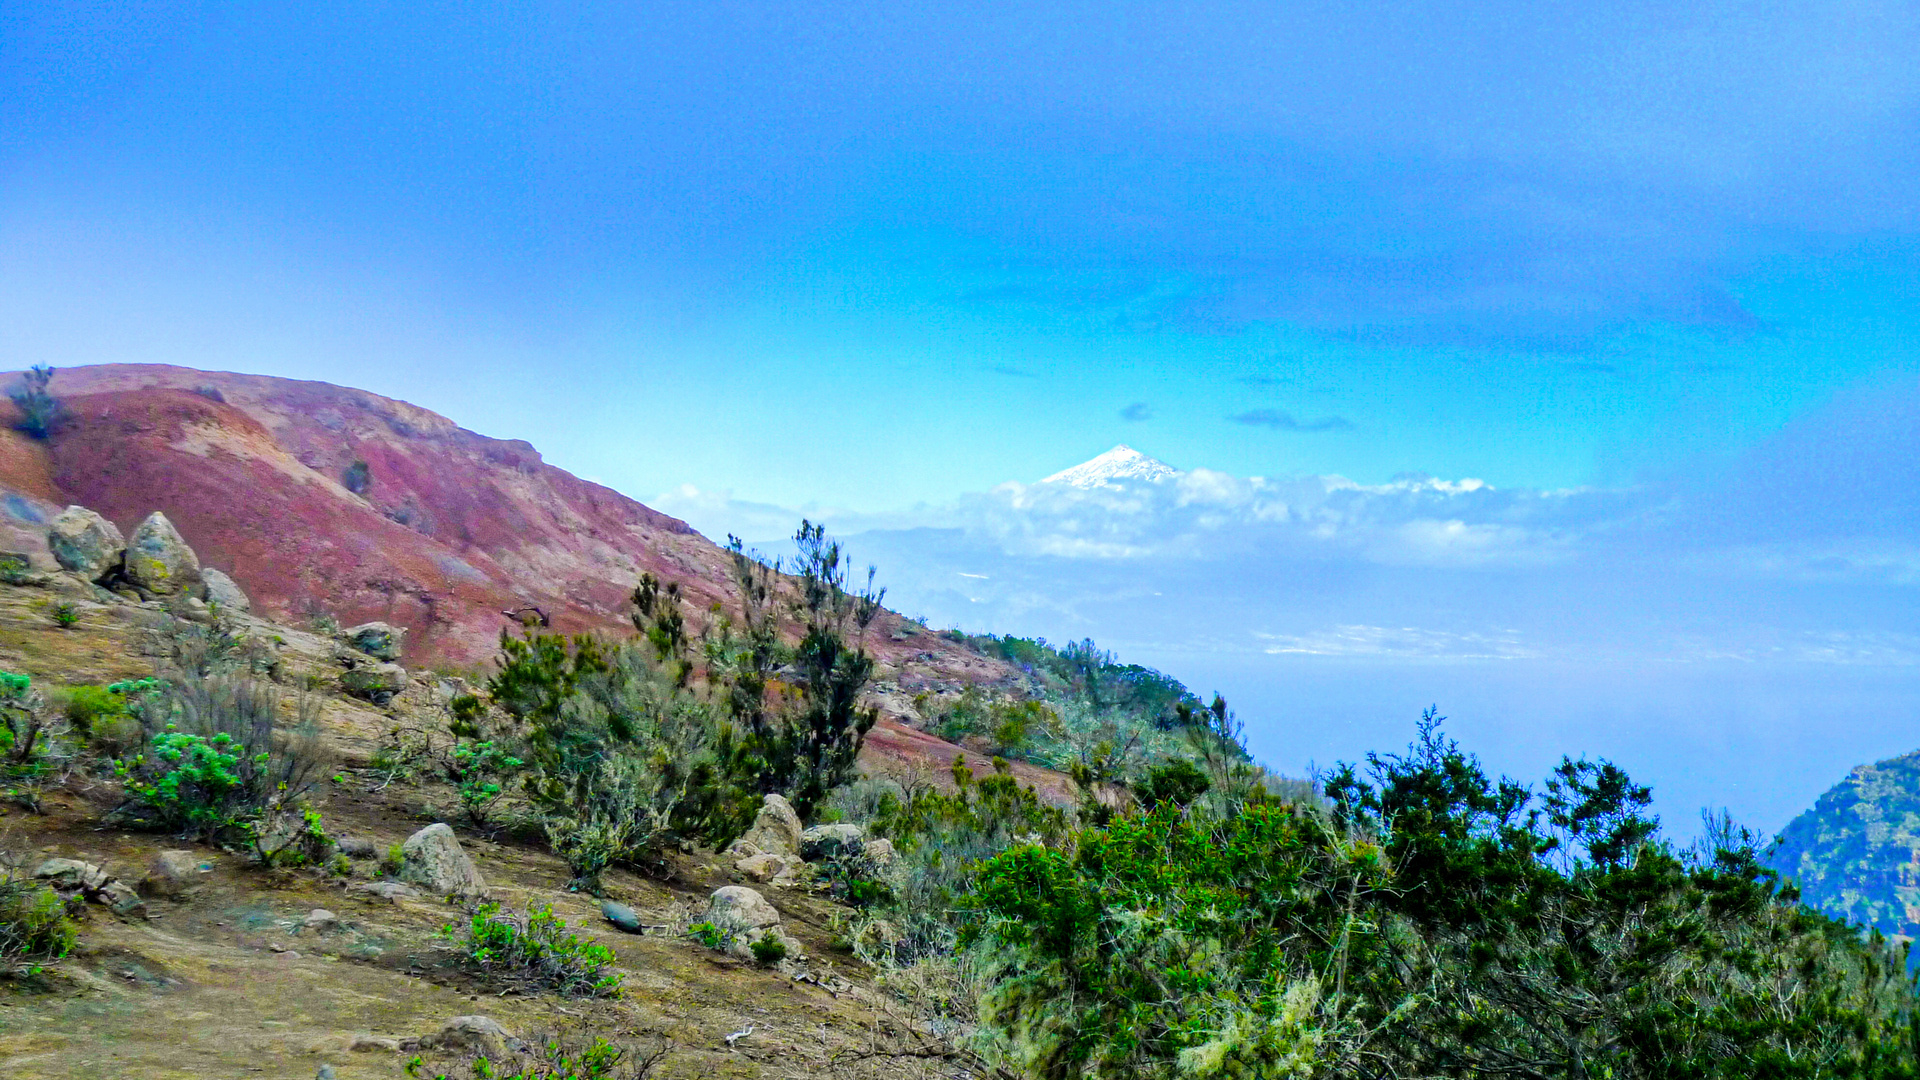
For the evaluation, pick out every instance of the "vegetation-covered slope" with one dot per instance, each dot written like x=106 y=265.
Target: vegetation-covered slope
x=1856 y=853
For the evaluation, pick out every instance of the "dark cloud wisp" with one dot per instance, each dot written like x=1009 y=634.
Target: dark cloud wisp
x=1280 y=420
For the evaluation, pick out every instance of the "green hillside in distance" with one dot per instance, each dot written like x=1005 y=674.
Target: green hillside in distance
x=1856 y=853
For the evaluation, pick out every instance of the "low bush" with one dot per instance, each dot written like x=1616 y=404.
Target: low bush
x=35 y=926
x=552 y=1059
x=533 y=948
x=768 y=950
x=710 y=935
x=23 y=719
x=480 y=771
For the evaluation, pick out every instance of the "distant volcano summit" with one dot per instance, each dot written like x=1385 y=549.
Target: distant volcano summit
x=1121 y=464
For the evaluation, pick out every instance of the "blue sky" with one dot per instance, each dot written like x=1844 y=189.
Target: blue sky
x=863 y=258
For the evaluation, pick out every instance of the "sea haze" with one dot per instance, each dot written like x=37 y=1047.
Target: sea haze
x=1739 y=634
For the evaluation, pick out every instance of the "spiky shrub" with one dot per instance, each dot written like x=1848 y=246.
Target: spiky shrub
x=533 y=948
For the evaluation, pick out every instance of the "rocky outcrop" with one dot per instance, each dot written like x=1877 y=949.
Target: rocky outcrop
x=85 y=543
x=776 y=830
x=433 y=859
x=71 y=876
x=159 y=562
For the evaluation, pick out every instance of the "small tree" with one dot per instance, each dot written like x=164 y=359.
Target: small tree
x=40 y=411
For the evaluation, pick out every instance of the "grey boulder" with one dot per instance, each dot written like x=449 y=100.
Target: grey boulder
x=433 y=859
x=836 y=841
x=85 y=543
x=223 y=592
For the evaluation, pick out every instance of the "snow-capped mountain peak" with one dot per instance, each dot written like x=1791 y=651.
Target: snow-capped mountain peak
x=1122 y=463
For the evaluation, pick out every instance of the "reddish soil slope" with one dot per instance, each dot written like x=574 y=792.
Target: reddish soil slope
x=448 y=530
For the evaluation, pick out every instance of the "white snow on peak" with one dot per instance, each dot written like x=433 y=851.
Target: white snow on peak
x=1121 y=463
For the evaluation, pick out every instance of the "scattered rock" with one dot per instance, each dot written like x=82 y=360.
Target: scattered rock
x=120 y=898
x=432 y=858
x=365 y=1044
x=223 y=592
x=740 y=909
x=879 y=853
x=769 y=869
x=377 y=683
x=15 y=567
x=376 y=639
x=776 y=831
x=72 y=874
x=320 y=920
x=85 y=543
x=172 y=873
x=478 y=1033
x=621 y=916
x=357 y=847
x=325 y=1073
x=386 y=890
x=841 y=840
x=159 y=562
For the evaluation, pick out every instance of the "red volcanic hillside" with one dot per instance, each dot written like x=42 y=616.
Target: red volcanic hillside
x=441 y=531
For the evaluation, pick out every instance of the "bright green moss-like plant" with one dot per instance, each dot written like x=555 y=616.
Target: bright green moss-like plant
x=34 y=927
x=534 y=947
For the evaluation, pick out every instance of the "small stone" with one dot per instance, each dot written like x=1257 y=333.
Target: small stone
x=325 y=1073
x=621 y=916
x=320 y=920
x=433 y=859
x=85 y=543
x=481 y=1033
x=357 y=847
x=367 y=1044
x=393 y=891
x=225 y=593
x=879 y=853
x=158 y=560
x=376 y=639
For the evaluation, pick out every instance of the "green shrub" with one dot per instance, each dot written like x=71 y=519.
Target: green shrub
x=65 y=614
x=479 y=770
x=709 y=935
x=768 y=950
x=221 y=767
x=534 y=948
x=1431 y=922
x=552 y=1059
x=23 y=720
x=86 y=705
x=35 y=927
